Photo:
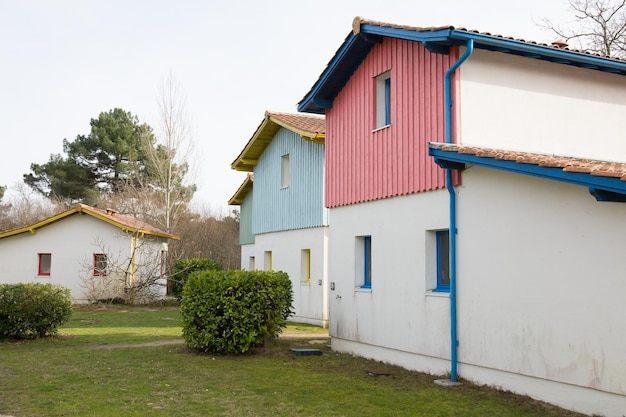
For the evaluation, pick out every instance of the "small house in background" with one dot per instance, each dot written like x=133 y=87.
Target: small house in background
x=283 y=222
x=476 y=187
x=97 y=254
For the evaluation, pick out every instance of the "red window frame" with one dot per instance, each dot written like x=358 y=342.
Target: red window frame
x=39 y=270
x=102 y=271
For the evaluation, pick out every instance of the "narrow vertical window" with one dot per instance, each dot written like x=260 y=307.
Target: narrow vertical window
x=45 y=262
x=284 y=183
x=443 y=261
x=367 y=262
x=251 y=264
x=383 y=100
x=305 y=265
x=268 y=261
x=363 y=258
x=99 y=264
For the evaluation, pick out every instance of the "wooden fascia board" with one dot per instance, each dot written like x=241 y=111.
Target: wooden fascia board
x=256 y=145
x=32 y=229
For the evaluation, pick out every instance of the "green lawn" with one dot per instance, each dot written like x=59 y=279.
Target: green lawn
x=131 y=362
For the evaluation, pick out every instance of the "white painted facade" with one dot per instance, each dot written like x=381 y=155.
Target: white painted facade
x=541 y=283
x=287 y=255
x=72 y=242
x=541 y=271
x=521 y=104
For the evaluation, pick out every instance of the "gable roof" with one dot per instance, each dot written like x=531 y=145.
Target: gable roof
x=125 y=223
x=243 y=191
x=309 y=127
x=606 y=180
x=366 y=33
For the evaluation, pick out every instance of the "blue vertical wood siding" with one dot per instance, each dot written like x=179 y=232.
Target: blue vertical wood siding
x=245 y=220
x=301 y=204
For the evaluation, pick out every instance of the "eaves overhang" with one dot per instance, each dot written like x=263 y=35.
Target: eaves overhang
x=604 y=181
x=243 y=190
x=437 y=40
x=308 y=127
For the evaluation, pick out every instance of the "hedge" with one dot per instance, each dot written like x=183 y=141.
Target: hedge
x=234 y=311
x=33 y=310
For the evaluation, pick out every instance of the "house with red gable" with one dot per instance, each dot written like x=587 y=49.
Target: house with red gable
x=476 y=185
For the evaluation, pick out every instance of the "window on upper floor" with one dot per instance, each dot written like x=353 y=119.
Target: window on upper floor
x=305 y=266
x=45 y=262
x=99 y=264
x=364 y=261
x=383 y=100
x=284 y=177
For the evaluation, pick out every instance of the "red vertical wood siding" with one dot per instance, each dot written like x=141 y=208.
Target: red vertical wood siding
x=364 y=165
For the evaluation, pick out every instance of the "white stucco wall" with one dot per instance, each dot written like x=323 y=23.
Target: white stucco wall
x=72 y=242
x=399 y=313
x=522 y=104
x=541 y=285
x=310 y=299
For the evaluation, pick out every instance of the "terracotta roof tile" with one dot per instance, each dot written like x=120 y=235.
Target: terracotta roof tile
x=558 y=44
x=568 y=164
x=305 y=122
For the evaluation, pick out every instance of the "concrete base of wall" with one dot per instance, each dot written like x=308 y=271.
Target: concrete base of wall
x=584 y=400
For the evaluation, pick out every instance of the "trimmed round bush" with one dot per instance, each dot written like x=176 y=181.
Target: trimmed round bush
x=185 y=267
x=234 y=311
x=33 y=310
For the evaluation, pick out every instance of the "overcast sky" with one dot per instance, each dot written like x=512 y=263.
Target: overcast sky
x=64 y=62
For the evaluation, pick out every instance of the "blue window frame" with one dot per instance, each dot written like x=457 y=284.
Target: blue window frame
x=383 y=100
x=367 y=262
x=443 y=261
x=388 y=101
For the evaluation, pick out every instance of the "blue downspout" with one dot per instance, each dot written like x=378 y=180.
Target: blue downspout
x=453 y=231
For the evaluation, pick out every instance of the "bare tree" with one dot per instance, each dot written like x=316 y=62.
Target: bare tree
x=132 y=278
x=599 y=27
x=24 y=207
x=171 y=161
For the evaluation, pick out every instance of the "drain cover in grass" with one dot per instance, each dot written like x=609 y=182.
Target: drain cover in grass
x=306 y=352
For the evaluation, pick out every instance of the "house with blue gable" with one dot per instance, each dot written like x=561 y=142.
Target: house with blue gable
x=476 y=185
x=283 y=222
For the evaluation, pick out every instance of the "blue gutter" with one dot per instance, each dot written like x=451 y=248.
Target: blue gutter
x=454 y=343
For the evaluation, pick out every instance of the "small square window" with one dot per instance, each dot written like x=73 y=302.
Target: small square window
x=99 y=264
x=383 y=100
x=45 y=262
x=284 y=182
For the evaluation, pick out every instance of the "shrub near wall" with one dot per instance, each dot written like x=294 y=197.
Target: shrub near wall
x=33 y=310
x=234 y=311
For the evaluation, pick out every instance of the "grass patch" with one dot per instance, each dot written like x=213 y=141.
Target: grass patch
x=110 y=362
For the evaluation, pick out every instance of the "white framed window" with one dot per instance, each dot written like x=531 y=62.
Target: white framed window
x=383 y=99
x=284 y=177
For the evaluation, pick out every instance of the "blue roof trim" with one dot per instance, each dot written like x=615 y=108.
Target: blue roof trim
x=356 y=47
x=603 y=188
